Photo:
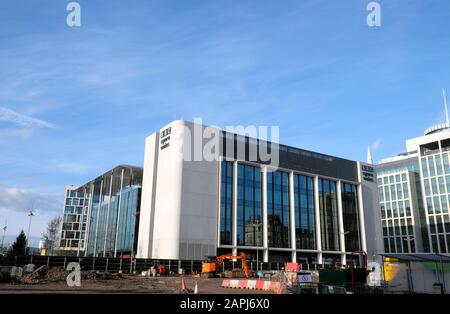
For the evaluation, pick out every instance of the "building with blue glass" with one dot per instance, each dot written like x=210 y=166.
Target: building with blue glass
x=309 y=207
x=112 y=202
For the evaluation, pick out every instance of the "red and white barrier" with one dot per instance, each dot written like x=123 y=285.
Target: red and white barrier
x=263 y=285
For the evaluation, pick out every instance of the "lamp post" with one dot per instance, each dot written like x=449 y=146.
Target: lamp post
x=31 y=214
x=3 y=237
x=257 y=225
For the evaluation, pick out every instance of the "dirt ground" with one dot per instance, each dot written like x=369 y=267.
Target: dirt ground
x=128 y=284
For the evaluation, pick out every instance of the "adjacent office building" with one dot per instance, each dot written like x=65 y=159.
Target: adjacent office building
x=111 y=206
x=414 y=190
x=310 y=207
x=74 y=220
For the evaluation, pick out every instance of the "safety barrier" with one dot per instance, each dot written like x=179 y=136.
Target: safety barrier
x=262 y=285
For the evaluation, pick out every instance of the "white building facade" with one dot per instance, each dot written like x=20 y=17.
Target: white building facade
x=309 y=207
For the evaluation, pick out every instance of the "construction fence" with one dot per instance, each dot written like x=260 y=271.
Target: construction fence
x=131 y=265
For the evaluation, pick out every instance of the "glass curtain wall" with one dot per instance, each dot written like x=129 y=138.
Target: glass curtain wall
x=226 y=203
x=278 y=209
x=304 y=212
x=328 y=215
x=249 y=213
x=350 y=217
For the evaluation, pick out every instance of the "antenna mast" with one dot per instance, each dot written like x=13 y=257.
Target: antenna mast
x=445 y=104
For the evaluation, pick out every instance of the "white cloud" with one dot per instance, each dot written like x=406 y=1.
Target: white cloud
x=376 y=145
x=20 y=200
x=20 y=133
x=12 y=116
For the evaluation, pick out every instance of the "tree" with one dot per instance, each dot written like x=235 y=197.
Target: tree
x=20 y=245
x=51 y=236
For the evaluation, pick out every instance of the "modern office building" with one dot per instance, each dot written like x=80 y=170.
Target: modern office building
x=307 y=207
x=112 y=202
x=74 y=219
x=414 y=193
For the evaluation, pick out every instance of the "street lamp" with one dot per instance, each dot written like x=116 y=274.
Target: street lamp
x=30 y=214
x=3 y=237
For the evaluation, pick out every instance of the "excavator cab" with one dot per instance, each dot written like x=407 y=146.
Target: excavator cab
x=210 y=266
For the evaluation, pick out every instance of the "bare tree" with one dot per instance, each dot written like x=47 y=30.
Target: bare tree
x=51 y=236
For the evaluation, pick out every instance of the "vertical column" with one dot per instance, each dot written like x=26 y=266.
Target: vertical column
x=98 y=216
x=317 y=218
x=235 y=190
x=264 y=213
x=292 y=216
x=341 y=223
x=362 y=224
x=107 y=213
x=118 y=213
x=88 y=218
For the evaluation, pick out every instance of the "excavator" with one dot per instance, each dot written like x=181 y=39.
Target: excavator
x=209 y=266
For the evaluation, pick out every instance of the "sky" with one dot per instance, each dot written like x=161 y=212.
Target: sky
x=77 y=101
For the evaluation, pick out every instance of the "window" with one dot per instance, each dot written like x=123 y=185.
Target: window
x=350 y=217
x=304 y=212
x=328 y=215
x=278 y=209
x=432 y=169
x=405 y=190
x=441 y=185
x=446 y=164
x=438 y=165
x=226 y=203
x=425 y=167
x=249 y=216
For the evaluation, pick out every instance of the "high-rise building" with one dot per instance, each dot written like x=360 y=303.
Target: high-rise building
x=310 y=207
x=414 y=191
x=73 y=230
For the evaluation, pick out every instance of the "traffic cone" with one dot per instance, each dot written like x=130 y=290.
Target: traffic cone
x=183 y=283
x=196 y=288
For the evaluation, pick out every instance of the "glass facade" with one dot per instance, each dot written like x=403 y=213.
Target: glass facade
x=329 y=223
x=397 y=219
x=280 y=224
x=436 y=180
x=350 y=216
x=305 y=231
x=114 y=213
x=226 y=203
x=249 y=215
x=74 y=219
x=278 y=209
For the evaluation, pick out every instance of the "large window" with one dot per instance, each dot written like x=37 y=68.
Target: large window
x=226 y=203
x=328 y=215
x=350 y=217
x=278 y=209
x=249 y=217
x=304 y=212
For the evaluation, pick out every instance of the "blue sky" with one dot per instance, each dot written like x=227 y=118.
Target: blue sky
x=75 y=102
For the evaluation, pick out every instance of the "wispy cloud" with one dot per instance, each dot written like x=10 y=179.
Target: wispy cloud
x=376 y=145
x=20 y=133
x=8 y=115
x=20 y=200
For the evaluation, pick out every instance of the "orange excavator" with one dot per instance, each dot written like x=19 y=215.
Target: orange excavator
x=209 y=267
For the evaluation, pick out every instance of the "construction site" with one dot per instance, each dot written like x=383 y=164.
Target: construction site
x=226 y=274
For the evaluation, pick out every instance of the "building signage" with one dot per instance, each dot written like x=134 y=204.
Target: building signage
x=368 y=173
x=165 y=138
x=305 y=278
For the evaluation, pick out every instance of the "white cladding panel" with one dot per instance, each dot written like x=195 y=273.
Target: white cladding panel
x=147 y=197
x=166 y=232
